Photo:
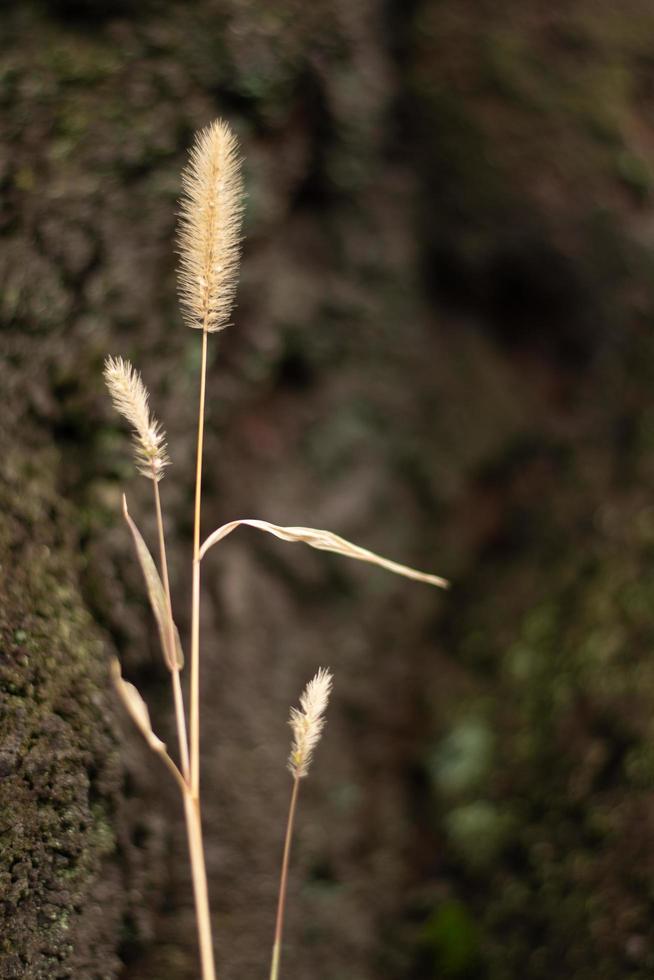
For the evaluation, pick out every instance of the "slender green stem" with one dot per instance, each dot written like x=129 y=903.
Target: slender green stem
x=195 y=608
x=283 y=883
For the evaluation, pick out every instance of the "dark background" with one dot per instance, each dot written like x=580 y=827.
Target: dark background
x=443 y=351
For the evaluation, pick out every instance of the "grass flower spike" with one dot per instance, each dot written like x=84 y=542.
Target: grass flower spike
x=308 y=722
x=208 y=237
x=130 y=398
x=209 y=233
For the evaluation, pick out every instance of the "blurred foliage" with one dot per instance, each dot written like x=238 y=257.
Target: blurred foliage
x=449 y=943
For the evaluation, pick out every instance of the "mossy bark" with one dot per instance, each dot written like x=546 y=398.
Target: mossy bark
x=61 y=878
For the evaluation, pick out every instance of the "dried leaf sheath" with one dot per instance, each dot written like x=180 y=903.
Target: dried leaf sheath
x=174 y=658
x=209 y=231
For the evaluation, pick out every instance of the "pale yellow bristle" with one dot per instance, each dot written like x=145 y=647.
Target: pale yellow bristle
x=210 y=213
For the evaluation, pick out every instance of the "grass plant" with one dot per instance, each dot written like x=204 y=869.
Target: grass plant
x=210 y=216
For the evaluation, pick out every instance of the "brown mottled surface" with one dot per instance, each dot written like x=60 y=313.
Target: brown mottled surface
x=70 y=867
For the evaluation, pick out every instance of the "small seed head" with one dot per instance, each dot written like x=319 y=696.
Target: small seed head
x=308 y=722
x=130 y=399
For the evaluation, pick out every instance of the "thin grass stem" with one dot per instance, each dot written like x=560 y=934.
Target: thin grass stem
x=195 y=609
x=283 y=883
x=192 y=798
x=179 y=779
x=200 y=890
x=191 y=803
x=178 y=697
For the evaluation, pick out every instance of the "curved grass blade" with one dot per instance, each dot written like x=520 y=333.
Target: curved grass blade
x=136 y=707
x=138 y=712
x=325 y=541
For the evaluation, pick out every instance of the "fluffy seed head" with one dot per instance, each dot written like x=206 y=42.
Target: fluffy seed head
x=130 y=398
x=209 y=231
x=308 y=721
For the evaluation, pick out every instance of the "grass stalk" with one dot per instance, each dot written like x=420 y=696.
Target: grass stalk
x=283 y=883
x=191 y=803
x=195 y=607
x=209 y=229
x=192 y=798
x=200 y=890
x=210 y=218
x=178 y=697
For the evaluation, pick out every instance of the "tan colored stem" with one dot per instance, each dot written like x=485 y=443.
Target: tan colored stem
x=283 y=883
x=195 y=608
x=179 y=779
x=200 y=891
x=180 y=720
x=180 y=716
x=274 y=966
x=192 y=798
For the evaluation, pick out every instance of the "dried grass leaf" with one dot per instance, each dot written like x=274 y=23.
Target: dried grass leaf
x=136 y=708
x=174 y=659
x=325 y=541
